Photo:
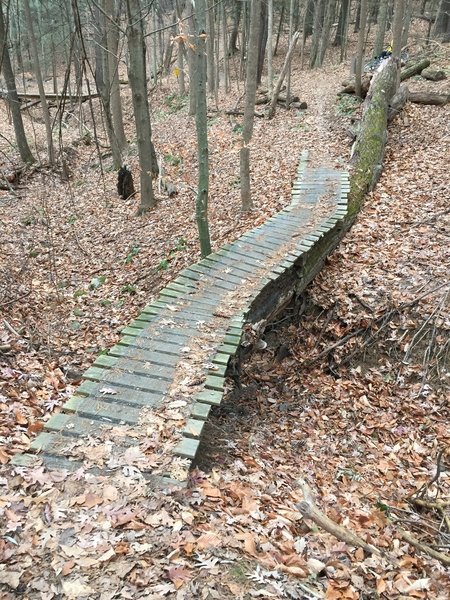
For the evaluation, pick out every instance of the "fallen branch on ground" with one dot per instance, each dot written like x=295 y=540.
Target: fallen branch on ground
x=309 y=510
x=443 y=558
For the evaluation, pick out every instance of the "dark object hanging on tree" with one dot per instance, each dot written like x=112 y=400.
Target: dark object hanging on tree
x=125 y=186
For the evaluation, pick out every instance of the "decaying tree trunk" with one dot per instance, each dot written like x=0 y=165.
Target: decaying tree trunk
x=429 y=98
x=403 y=95
x=414 y=69
x=368 y=150
x=433 y=75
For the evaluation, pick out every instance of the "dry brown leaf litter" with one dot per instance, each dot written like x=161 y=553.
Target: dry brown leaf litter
x=363 y=440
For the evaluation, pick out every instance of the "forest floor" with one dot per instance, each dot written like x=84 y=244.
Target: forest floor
x=350 y=395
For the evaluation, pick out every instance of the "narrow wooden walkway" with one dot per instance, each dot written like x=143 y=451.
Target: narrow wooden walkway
x=178 y=349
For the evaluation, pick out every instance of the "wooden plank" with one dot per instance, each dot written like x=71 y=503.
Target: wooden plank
x=221 y=359
x=213 y=397
x=95 y=408
x=214 y=383
x=114 y=392
x=118 y=377
x=140 y=342
x=74 y=425
x=187 y=448
x=106 y=361
x=200 y=411
x=193 y=428
x=143 y=355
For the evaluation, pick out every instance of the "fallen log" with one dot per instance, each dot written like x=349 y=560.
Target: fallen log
x=280 y=99
x=239 y=113
x=350 y=86
x=433 y=75
x=414 y=69
x=368 y=149
x=429 y=98
x=50 y=96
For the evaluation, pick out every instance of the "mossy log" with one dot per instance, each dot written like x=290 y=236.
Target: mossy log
x=433 y=75
x=415 y=69
x=368 y=150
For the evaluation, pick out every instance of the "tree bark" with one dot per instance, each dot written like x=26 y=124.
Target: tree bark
x=13 y=99
x=368 y=151
x=249 y=109
x=201 y=122
x=137 y=76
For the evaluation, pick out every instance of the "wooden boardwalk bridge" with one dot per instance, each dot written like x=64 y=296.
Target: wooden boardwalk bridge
x=177 y=351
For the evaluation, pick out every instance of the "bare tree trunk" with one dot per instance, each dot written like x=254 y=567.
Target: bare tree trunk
x=201 y=206
x=38 y=75
x=280 y=26
x=192 y=59
x=284 y=70
x=226 y=69
x=317 y=31
x=137 y=76
x=397 y=27
x=249 y=109
x=360 y=49
x=210 y=52
x=288 y=73
x=325 y=37
x=381 y=27
x=104 y=85
x=442 y=22
x=232 y=45
x=270 y=48
x=13 y=99
x=262 y=41
x=340 y=29
x=112 y=35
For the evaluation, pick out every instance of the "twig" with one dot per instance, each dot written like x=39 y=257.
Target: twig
x=11 y=329
x=309 y=510
x=422 y=490
x=443 y=558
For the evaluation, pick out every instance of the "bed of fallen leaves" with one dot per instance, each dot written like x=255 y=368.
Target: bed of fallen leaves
x=364 y=420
